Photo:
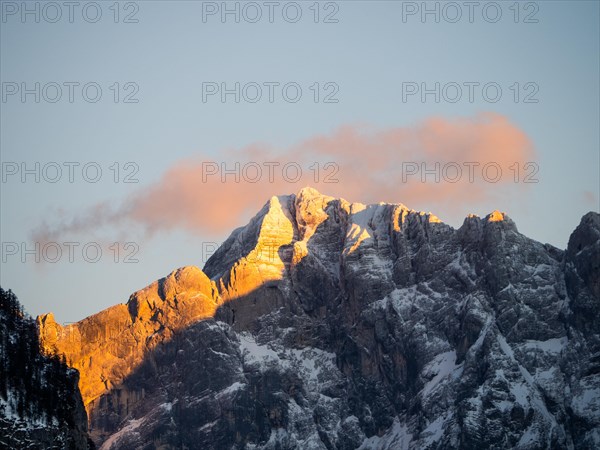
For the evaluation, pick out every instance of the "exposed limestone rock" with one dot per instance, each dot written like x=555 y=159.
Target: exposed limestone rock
x=107 y=346
x=327 y=324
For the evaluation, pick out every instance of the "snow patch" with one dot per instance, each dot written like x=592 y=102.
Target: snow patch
x=434 y=431
x=231 y=389
x=131 y=427
x=555 y=345
x=441 y=367
x=396 y=438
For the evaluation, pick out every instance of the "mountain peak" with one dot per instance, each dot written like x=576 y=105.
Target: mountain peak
x=496 y=216
x=308 y=192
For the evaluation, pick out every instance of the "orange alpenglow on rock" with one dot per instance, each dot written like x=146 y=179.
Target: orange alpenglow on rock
x=495 y=216
x=108 y=346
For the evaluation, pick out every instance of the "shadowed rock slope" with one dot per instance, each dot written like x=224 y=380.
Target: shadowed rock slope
x=40 y=405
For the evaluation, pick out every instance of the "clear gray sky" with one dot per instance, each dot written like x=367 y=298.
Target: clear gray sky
x=369 y=56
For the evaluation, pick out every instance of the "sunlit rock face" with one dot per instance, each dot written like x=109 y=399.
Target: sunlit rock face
x=324 y=324
x=108 y=346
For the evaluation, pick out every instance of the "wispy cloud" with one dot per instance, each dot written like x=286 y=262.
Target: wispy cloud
x=367 y=165
x=590 y=199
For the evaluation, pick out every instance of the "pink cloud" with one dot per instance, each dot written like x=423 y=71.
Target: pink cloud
x=590 y=198
x=370 y=165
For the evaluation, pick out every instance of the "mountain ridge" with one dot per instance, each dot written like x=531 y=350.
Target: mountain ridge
x=313 y=272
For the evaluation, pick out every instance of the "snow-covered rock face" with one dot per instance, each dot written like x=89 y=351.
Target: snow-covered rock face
x=325 y=324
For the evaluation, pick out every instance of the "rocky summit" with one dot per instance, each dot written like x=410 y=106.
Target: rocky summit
x=324 y=324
